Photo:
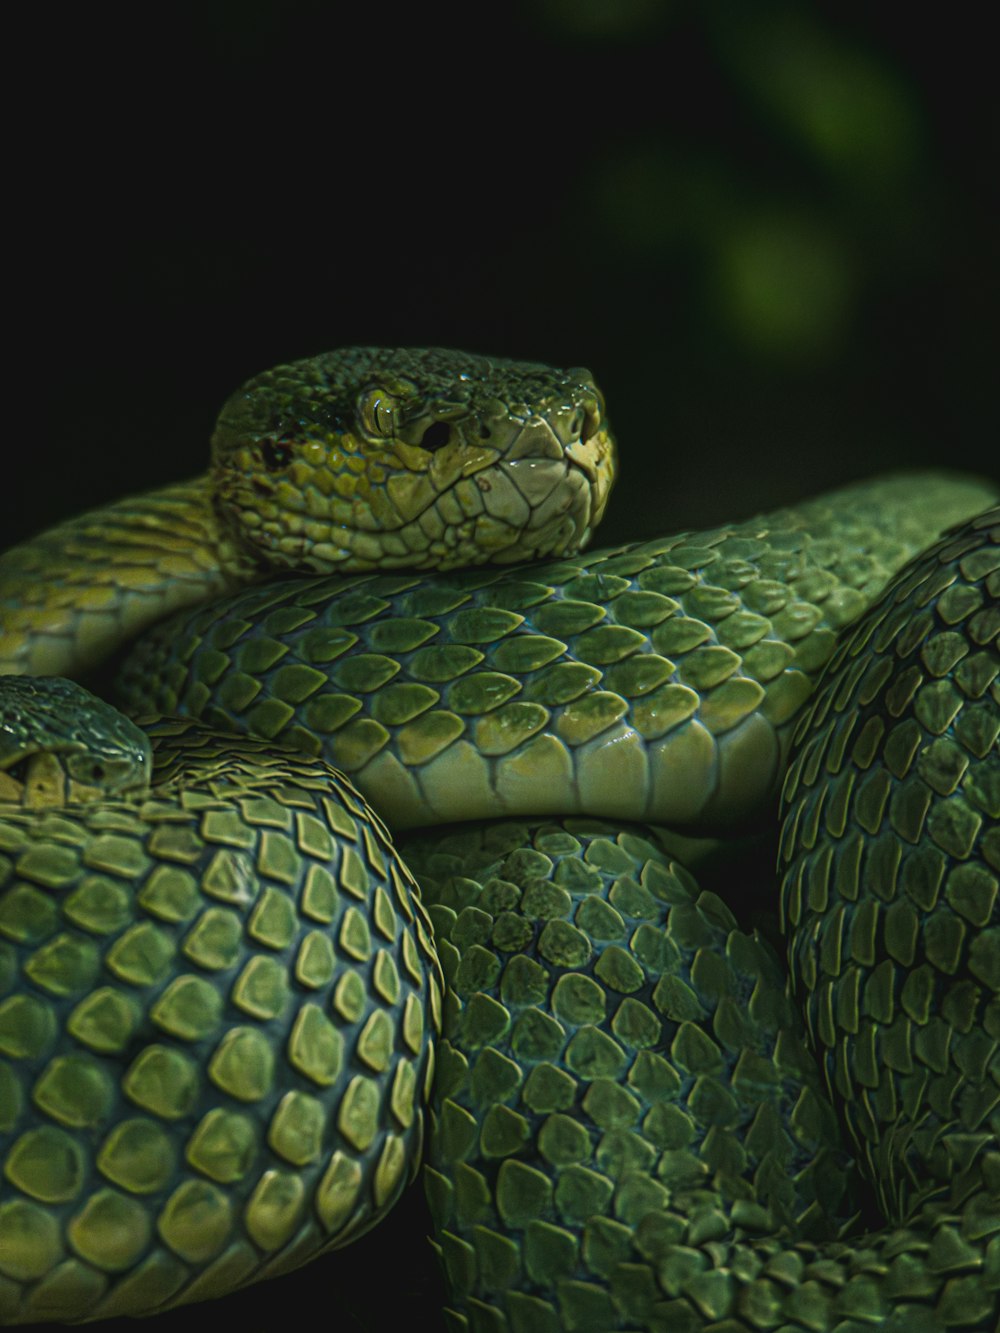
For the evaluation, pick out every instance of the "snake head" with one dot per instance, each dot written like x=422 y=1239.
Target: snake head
x=371 y=458
x=59 y=743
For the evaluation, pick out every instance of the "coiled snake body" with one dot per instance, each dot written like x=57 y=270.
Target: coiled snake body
x=219 y=984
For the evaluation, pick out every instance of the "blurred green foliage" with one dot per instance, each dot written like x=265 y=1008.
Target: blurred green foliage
x=780 y=242
x=764 y=226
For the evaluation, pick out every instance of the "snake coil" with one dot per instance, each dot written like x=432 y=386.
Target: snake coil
x=220 y=985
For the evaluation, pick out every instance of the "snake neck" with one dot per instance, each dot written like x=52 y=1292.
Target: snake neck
x=76 y=593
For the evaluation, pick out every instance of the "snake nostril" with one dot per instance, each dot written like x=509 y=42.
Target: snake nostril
x=437 y=434
x=275 y=454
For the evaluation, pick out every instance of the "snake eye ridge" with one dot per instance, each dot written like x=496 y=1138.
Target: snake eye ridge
x=276 y=454
x=436 y=436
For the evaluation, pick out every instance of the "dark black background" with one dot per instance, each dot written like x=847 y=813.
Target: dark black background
x=770 y=234
x=198 y=196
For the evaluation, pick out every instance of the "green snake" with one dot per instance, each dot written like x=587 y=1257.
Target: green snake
x=231 y=1024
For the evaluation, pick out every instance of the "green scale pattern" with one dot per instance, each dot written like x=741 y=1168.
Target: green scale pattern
x=891 y=848
x=628 y=1131
x=216 y=1005
x=625 y=1103
x=582 y=686
x=97 y=737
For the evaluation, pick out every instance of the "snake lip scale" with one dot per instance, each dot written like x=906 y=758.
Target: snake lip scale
x=238 y=1015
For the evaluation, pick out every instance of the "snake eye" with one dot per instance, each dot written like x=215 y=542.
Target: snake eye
x=437 y=434
x=276 y=454
x=378 y=414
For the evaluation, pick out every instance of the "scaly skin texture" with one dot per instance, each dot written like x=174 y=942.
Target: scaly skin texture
x=355 y=459
x=218 y=998
x=72 y=595
x=418 y=457
x=628 y=1126
x=653 y=681
x=891 y=855
x=627 y=1132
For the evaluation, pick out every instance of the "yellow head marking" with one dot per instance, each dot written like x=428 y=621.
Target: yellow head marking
x=373 y=458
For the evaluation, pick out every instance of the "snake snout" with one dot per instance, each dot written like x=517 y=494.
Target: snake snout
x=537 y=438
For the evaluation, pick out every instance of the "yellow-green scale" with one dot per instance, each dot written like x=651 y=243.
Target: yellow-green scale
x=624 y=1100
x=695 y=654
x=76 y=592
x=654 y=681
x=216 y=1006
